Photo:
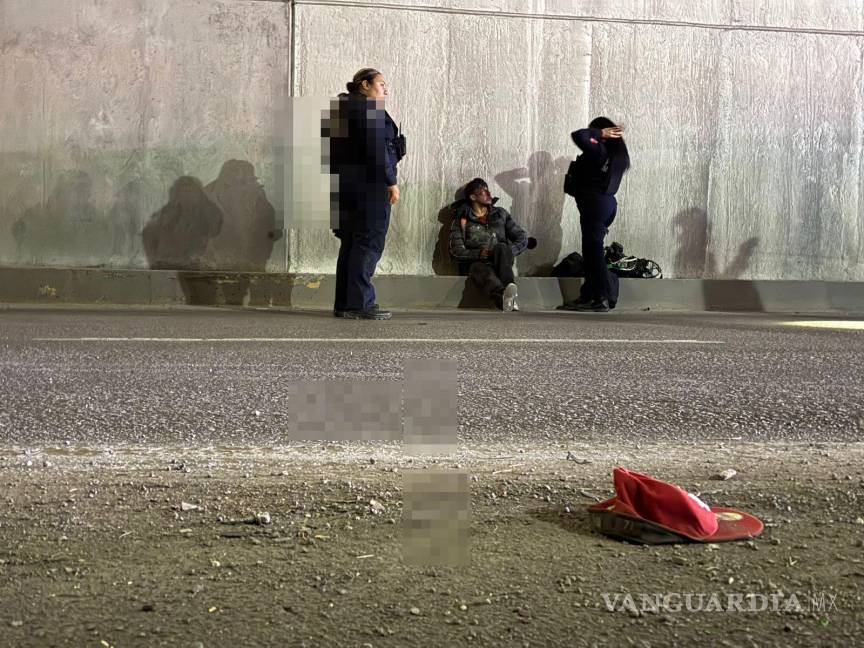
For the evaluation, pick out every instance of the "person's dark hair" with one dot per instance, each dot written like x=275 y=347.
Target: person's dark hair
x=366 y=74
x=473 y=186
x=617 y=147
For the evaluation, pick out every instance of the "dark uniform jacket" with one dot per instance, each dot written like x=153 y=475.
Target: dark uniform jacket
x=363 y=155
x=596 y=171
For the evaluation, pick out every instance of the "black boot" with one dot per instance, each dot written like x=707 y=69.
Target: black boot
x=373 y=313
x=598 y=306
x=341 y=313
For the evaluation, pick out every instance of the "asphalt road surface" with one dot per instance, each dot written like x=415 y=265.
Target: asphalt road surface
x=139 y=450
x=217 y=376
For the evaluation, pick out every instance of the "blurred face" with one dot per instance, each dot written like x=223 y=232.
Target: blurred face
x=376 y=88
x=482 y=196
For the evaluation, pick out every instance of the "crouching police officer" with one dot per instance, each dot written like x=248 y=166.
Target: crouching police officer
x=365 y=147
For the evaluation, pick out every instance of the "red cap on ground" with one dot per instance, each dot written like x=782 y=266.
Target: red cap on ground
x=668 y=508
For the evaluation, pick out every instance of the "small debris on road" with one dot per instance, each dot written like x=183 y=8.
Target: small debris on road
x=577 y=460
x=725 y=475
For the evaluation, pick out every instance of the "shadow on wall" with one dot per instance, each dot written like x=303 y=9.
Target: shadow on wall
x=695 y=259
x=249 y=230
x=176 y=237
x=229 y=225
x=442 y=262
x=67 y=228
x=126 y=217
x=538 y=204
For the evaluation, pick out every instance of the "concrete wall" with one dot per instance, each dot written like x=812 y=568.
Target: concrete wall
x=118 y=119
x=745 y=126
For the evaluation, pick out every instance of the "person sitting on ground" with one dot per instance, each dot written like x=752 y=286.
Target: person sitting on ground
x=484 y=239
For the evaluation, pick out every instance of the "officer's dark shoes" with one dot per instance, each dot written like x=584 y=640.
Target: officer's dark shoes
x=573 y=304
x=341 y=313
x=601 y=306
x=371 y=314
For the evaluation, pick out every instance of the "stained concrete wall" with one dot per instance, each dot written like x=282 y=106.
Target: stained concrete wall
x=744 y=117
x=132 y=131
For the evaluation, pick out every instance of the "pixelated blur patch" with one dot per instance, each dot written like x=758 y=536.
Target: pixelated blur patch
x=430 y=413
x=436 y=518
x=345 y=410
x=303 y=184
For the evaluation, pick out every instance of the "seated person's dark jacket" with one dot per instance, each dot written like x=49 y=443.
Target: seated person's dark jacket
x=468 y=236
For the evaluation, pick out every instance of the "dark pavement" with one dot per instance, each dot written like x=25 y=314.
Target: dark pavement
x=201 y=376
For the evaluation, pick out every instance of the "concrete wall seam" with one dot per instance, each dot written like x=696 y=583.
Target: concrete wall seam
x=526 y=15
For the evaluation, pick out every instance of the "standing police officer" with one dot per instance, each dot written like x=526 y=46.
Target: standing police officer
x=593 y=180
x=365 y=147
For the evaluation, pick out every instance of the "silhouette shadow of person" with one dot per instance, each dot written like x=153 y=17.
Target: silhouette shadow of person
x=127 y=223
x=538 y=204
x=245 y=241
x=248 y=234
x=692 y=256
x=66 y=228
x=695 y=259
x=442 y=262
x=176 y=237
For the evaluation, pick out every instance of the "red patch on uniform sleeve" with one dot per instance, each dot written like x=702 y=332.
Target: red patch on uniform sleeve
x=593 y=141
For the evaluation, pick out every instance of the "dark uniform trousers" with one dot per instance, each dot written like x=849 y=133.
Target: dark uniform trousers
x=596 y=213
x=495 y=272
x=360 y=250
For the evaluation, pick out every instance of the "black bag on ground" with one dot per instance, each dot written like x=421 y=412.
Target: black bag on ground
x=570 y=266
x=630 y=266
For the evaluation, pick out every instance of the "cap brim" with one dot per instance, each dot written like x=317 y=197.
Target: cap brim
x=732 y=524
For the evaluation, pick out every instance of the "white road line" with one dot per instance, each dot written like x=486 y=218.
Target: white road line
x=845 y=325
x=397 y=340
